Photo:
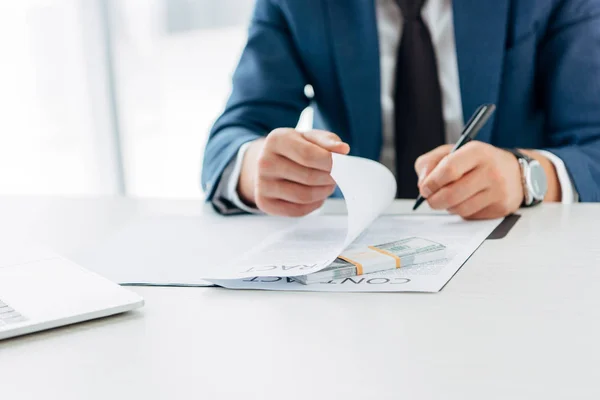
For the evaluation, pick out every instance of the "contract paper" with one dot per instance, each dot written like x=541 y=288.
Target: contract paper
x=460 y=237
x=261 y=252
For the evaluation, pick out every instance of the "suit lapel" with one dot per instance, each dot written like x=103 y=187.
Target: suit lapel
x=354 y=39
x=480 y=30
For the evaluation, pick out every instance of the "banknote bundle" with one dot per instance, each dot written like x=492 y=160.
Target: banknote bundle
x=397 y=254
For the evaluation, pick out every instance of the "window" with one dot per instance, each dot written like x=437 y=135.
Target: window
x=173 y=65
x=55 y=133
x=114 y=96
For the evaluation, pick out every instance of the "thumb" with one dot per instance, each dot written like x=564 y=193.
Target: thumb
x=428 y=161
x=327 y=140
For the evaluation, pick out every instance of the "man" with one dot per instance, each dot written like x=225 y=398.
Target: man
x=395 y=80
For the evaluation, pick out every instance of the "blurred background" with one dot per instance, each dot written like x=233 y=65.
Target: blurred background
x=110 y=97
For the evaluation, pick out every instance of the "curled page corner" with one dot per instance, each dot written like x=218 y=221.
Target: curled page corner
x=368 y=188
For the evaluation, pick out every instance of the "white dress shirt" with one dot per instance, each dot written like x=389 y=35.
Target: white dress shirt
x=439 y=18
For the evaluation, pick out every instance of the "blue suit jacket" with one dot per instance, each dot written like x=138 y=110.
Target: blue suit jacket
x=537 y=60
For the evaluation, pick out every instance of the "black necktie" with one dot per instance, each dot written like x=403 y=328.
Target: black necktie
x=418 y=100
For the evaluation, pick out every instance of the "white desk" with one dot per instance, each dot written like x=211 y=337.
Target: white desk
x=521 y=320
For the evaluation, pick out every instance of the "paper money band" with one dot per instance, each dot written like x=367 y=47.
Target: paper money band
x=387 y=253
x=359 y=267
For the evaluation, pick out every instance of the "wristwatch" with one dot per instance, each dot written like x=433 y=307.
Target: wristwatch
x=533 y=177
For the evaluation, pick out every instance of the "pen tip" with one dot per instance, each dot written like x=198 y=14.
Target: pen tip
x=419 y=201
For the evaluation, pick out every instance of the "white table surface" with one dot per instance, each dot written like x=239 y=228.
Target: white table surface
x=521 y=320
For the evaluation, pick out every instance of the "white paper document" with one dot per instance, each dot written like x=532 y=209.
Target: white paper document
x=461 y=238
x=260 y=252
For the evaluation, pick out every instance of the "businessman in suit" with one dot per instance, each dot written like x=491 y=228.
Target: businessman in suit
x=394 y=81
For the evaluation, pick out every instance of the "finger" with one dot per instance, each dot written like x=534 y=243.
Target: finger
x=457 y=192
x=294 y=146
x=474 y=204
x=293 y=192
x=279 y=167
x=427 y=162
x=489 y=212
x=327 y=140
x=284 y=208
x=452 y=167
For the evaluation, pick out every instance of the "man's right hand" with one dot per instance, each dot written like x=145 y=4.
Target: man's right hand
x=288 y=173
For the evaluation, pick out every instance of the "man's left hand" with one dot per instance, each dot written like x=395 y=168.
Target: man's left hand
x=478 y=181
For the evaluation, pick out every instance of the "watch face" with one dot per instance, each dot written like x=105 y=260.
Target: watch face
x=538 y=183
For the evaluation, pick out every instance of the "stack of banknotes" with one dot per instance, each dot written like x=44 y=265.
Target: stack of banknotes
x=360 y=261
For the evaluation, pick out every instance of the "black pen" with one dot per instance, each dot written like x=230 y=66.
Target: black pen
x=472 y=128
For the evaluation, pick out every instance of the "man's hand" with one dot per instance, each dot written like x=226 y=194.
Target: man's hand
x=289 y=173
x=478 y=181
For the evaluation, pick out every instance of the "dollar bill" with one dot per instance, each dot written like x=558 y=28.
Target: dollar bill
x=413 y=250
x=404 y=252
x=336 y=270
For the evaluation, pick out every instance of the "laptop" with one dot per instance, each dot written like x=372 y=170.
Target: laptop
x=41 y=290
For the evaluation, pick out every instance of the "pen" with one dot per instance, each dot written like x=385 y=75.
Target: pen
x=472 y=128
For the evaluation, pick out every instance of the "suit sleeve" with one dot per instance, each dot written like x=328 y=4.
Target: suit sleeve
x=268 y=92
x=570 y=64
